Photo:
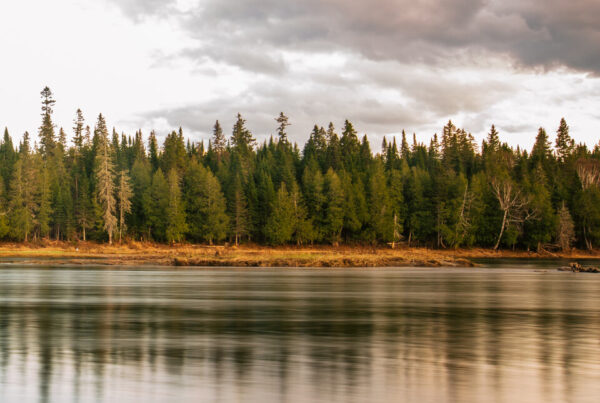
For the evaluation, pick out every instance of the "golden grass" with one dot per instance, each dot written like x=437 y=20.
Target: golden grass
x=135 y=253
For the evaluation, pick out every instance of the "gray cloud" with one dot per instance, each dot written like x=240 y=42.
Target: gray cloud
x=535 y=33
x=425 y=98
x=397 y=60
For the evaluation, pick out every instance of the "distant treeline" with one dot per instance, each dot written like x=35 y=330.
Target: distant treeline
x=448 y=193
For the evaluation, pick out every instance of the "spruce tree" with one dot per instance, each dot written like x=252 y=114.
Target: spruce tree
x=124 y=195
x=159 y=203
x=564 y=143
x=105 y=179
x=218 y=141
x=141 y=178
x=280 y=224
x=333 y=219
x=153 y=151
x=46 y=130
x=239 y=210
x=205 y=205
x=281 y=129
x=175 y=214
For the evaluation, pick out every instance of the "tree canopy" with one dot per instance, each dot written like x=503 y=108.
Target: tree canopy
x=334 y=189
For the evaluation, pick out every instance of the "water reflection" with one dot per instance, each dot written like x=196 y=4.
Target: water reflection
x=298 y=335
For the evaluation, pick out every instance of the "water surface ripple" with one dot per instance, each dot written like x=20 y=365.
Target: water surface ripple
x=510 y=334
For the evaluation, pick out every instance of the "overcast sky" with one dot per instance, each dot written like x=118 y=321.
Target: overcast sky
x=386 y=65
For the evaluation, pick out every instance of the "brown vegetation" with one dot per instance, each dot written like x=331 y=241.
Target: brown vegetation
x=138 y=253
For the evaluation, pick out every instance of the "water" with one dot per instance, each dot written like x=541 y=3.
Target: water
x=504 y=334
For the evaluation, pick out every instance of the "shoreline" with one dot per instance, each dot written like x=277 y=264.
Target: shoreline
x=189 y=255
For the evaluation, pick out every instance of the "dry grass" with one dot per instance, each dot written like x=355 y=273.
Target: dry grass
x=135 y=253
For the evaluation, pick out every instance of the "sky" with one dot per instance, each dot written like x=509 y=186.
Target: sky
x=385 y=65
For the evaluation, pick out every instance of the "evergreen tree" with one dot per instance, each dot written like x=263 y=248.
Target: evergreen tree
x=219 y=143
x=141 y=206
x=239 y=210
x=105 y=178
x=84 y=207
x=280 y=224
x=205 y=205
x=153 y=150
x=564 y=143
x=333 y=219
x=44 y=197
x=159 y=203
x=303 y=229
x=22 y=206
x=124 y=195
x=176 y=225
x=46 y=131
x=281 y=129
x=381 y=222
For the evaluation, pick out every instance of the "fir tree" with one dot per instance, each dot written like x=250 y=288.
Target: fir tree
x=564 y=143
x=175 y=214
x=281 y=129
x=219 y=143
x=280 y=224
x=124 y=195
x=333 y=219
x=105 y=177
x=46 y=131
x=205 y=205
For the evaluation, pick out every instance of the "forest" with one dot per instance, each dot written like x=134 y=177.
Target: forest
x=450 y=193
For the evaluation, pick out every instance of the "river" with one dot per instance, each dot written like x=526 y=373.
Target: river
x=512 y=332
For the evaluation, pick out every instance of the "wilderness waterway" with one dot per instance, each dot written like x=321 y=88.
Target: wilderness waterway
x=508 y=331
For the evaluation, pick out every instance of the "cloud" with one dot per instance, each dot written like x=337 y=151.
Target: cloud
x=534 y=33
x=386 y=65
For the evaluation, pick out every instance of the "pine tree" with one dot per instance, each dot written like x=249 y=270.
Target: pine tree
x=280 y=224
x=281 y=129
x=141 y=178
x=205 y=205
x=78 y=134
x=334 y=207
x=124 y=195
x=175 y=214
x=241 y=137
x=303 y=229
x=84 y=207
x=541 y=149
x=44 y=196
x=239 y=210
x=105 y=178
x=159 y=202
x=493 y=140
x=564 y=143
x=219 y=143
x=153 y=150
x=381 y=222
x=4 y=223
x=174 y=154
x=23 y=206
x=46 y=131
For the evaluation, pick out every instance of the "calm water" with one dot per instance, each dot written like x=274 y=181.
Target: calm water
x=503 y=334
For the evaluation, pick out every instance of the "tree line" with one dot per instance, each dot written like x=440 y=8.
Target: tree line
x=449 y=193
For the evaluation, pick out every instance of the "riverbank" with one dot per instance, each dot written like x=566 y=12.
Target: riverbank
x=144 y=253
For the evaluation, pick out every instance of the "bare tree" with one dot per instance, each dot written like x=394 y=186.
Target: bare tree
x=588 y=171
x=514 y=205
x=566 y=229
